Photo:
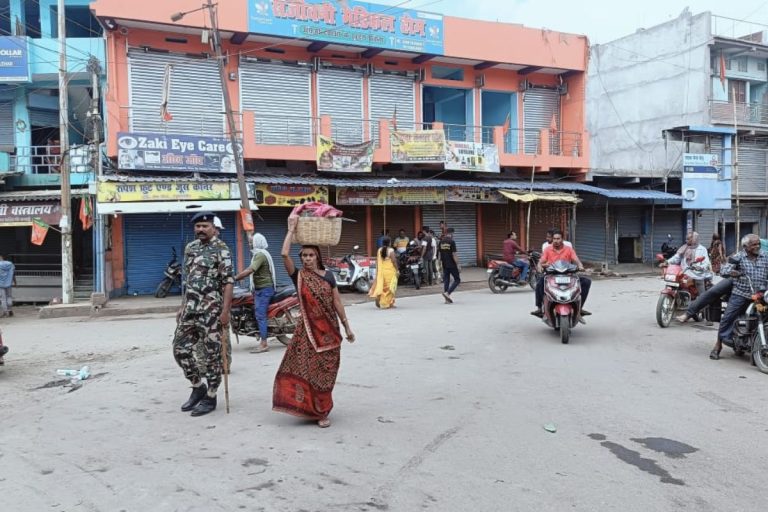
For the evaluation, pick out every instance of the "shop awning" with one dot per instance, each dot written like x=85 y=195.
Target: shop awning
x=169 y=207
x=527 y=197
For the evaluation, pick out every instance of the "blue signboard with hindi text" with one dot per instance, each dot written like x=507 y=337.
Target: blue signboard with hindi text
x=350 y=23
x=14 y=59
x=167 y=152
x=706 y=182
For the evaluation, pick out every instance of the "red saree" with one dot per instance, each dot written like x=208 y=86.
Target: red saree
x=306 y=377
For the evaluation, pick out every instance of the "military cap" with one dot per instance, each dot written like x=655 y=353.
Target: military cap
x=203 y=217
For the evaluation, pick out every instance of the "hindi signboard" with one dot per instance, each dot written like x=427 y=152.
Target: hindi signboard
x=420 y=146
x=473 y=195
x=333 y=156
x=389 y=196
x=471 y=156
x=282 y=195
x=113 y=192
x=165 y=152
x=22 y=213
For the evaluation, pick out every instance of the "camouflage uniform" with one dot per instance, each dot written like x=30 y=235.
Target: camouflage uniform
x=208 y=269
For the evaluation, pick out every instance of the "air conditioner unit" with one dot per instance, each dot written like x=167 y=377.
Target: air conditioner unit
x=480 y=81
x=524 y=85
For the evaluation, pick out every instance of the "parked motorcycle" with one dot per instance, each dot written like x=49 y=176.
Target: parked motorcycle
x=502 y=275
x=3 y=350
x=282 y=315
x=172 y=276
x=667 y=249
x=412 y=266
x=352 y=271
x=749 y=333
x=679 y=291
x=562 y=298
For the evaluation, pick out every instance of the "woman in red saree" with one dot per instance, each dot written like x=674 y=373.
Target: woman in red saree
x=306 y=377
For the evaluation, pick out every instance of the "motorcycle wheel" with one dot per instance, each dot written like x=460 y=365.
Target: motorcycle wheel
x=533 y=278
x=565 y=329
x=496 y=288
x=759 y=356
x=363 y=285
x=416 y=280
x=665 y=309
x=291 y=317
x=163 y=288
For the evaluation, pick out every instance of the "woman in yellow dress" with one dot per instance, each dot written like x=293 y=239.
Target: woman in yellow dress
x=386 y=276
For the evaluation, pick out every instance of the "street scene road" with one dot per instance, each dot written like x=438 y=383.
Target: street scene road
x=470 y=406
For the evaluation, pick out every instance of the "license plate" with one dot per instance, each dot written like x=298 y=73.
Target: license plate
x=562 y=280
x=673 y=285
x=414 y=267
x=489 y=271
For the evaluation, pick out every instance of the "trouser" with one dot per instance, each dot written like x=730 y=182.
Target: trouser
x=449 y=272
x=585 y=282
x=710 y=297
x=523 y=266
x=202 y=329
x=429 y=269
x=261 y=300
x=736 y=306
x=5 y=300
x=438 y=266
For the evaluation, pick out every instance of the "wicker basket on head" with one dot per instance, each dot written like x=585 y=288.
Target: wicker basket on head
x=320 y=231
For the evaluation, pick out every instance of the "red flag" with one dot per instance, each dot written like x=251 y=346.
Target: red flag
x=722 y=70
x=39 y=230
x=553 y=124
x=247 y=219
x=86 y=213
x=507 y=123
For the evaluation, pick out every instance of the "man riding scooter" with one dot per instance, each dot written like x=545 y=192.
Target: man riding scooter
x=557 y=251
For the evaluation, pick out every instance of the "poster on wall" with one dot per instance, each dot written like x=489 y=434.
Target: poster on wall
x=471 y=156
x=21 y=214
x=349 y=22
x=164 y=152
x=14 y=59
x=333 y=156
x=473 y=195
x=282 y=195
x=111 y=192
x=421 y=146
x=389 y=196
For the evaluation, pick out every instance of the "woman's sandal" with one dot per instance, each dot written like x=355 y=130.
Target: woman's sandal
x=324 y=423
x=714 y=355
x=260 y=349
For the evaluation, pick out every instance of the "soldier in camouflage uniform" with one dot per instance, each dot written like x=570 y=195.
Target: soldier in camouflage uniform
x=204 y=310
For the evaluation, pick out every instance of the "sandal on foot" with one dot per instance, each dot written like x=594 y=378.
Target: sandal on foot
x=324 y=423
x=260 y=349
x=714 y=355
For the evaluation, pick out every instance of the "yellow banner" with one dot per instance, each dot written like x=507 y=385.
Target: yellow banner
x=389 y=196
x=420 y=146
x=110 y=192
x=289 y=195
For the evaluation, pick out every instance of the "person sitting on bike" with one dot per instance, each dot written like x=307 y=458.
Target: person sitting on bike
x=557 y=251
x=687 y=256
x=750 y=275
x=511 y=250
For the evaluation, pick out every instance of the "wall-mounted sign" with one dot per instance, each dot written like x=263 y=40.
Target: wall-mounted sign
x=333 y=156
x=706 y=182
x=112 y=192
x=420 y=146
x=703 y=166
x=471 y=156
x=185 y=153
x=350 y=22
x=14 y=59
x=282 y=195
x=22 y=213
x=473 y=195
x=389 y=196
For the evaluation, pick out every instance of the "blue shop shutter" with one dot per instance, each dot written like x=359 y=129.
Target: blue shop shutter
x=272 y=222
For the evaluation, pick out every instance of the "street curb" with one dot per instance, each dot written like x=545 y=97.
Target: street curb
x=86 y=310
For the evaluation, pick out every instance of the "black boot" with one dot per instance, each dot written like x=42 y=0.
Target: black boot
x=206 y=405
x=197 y=394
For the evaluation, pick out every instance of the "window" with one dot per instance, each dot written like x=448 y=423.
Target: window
x=80 y=22
x=743 y=64
x=761 y=66
x=728 y=64
x=739 y=89
x=5 y=18
x=447 y=73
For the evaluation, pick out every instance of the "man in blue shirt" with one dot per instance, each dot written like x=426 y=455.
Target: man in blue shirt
x=7 y=280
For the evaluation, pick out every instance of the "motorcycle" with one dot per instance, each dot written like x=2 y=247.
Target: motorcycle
x=172 y=276
x=749 y=333
x=3 y=350
x=352 y=271
x=562 y=298
x=282 y=315
x=411 y=266
x=667 y=249
x=502 y=275
x=679 y=291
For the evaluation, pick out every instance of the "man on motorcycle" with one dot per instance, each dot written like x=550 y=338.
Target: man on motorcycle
x=401 y=242
x=752 y=267
x=511 y=249
x=558 y=251
x=549 y=237
x=3 y=349
x=694 y=260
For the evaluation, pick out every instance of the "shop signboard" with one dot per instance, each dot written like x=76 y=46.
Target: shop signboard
x=706 y=182
x=471 y=156
x=420 y=146
x=389 y=196
x=113 y=192
x=282 y=195
x=473 y=195
x=14 y=59
x=22 y=213
x=333 y=156
x=351 y=22
x=167 y=152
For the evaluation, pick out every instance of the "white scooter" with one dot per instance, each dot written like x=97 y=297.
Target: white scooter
x=352 y=271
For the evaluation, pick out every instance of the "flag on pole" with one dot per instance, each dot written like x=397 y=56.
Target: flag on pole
x=39 y=230
x=86 y=213
x=722 y=70
x=507 y=123
x=394 y=120
x=553 y=123
x=165 y=115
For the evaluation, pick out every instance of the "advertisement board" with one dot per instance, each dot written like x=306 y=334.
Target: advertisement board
x=473 y=195
x=167 y=152
x=333 y=156
x=14 y=59
x=111 y=192
x=282 y=195
x=22 y=213
x=389 y=196
x=471 y=156
x=706 y=182
x=420 y=146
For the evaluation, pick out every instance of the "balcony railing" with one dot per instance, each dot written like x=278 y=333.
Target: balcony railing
x=741 y=113
x=205 y=124
x=738 y=29
x=565 y=144
x=47 y=159
x=286 y=130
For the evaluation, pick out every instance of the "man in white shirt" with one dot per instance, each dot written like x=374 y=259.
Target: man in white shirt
x=551 y=233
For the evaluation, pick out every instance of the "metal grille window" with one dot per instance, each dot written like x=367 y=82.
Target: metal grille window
x=540 y=106
x=6 y=125
x=389 y=95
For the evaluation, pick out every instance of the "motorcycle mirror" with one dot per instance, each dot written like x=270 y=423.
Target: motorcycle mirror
x=355 y=248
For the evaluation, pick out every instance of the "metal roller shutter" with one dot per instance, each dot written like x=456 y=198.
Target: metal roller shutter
x=590 y=235
x=706 y=225
x=195 y=101
x=7 y=126
x=752 y=171
x=539 y=105
x=352 y=233
x=630 y=220
x=462 y=218
x=280 y=96
x=43 y=118
x=387 y=94
x=667 y=222
x=498 y=220
x=273 y=224
x=340 y=95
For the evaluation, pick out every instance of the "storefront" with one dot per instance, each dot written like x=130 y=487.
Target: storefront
x=462 y=217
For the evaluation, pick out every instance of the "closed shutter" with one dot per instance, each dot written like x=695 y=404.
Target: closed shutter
x=273 y=224
x=195 y=98
x=462 y=218
x=591 y=236
x=7 y=126
x=390 y=94
x=706 y=225
x=668 y=221
x=630 y=220
x=340 y=95
x=280 y=96
x=39 y=117
x=498 y=220
x=149 y=238
x=752 y=169
x=352 y=233
x=539 y=105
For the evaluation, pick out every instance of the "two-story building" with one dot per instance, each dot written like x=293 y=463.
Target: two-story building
x=30 y=152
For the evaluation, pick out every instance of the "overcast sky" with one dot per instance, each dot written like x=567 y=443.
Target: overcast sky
x=600 y=20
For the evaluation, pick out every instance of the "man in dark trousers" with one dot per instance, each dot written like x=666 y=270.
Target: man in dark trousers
x=449 y=257
x=427 y=254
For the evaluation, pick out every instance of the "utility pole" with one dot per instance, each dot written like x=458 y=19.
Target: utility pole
x=94 y=117
x=67 y=267
x=735 y=168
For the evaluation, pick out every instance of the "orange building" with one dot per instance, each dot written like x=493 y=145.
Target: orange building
x=419 y=117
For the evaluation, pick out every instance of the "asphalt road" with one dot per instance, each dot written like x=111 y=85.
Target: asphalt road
x=438 y=407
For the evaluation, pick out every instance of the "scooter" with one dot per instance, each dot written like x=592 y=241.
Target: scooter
x=172 y=276
x=679 y=291
x=502 y=275
x=282 y=315
x=562 y=298
x=352 y=271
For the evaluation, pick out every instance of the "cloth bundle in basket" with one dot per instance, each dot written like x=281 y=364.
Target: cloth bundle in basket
x=318 y=224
